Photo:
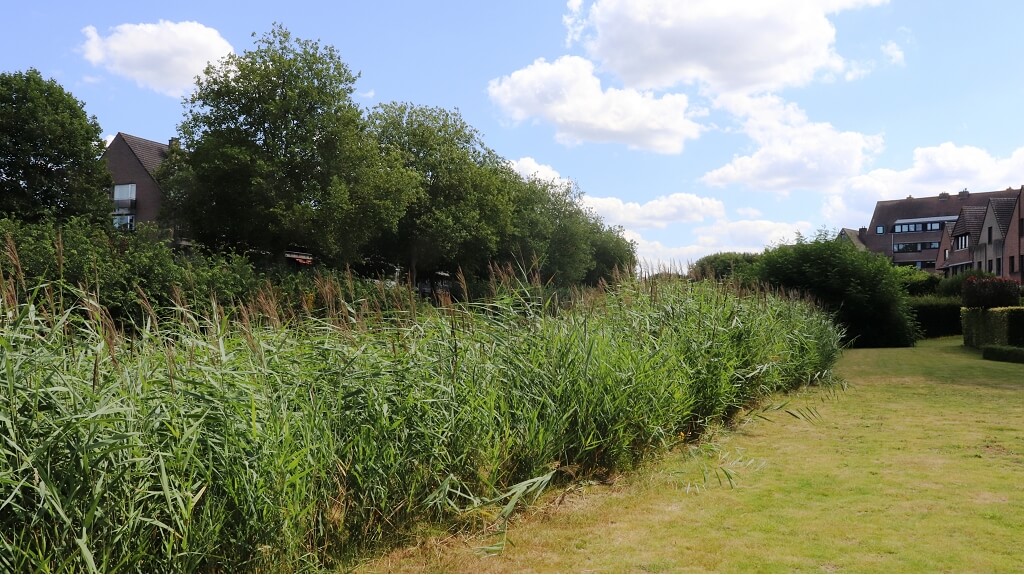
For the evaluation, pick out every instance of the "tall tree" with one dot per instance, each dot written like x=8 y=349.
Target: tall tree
x=463 y=204
x=277 y=155
x=50 y=150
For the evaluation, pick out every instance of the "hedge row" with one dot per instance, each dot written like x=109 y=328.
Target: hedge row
x=937 y=316
x=996 y=326
x=1007 y=353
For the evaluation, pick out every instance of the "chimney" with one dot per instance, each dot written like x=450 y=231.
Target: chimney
x=944 y=196
x=862 y=232
x=174 y=143
x=964 y=194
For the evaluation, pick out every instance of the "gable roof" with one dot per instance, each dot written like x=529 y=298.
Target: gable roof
x=970 y=222
x=150 y=154
x=1003 y=210
x=852 y=236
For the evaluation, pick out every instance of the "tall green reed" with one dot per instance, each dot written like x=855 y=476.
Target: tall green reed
x=260 y=439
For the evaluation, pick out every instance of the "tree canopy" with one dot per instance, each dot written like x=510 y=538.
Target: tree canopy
x=277 y=156
x=50 y=150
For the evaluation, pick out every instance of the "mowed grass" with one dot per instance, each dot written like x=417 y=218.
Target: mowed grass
x=917 y=466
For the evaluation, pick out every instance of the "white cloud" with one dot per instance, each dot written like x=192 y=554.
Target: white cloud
x=531 y=168
x=657 y=213
x=568 y=94
x=725 y=45
x=749 y=213
x=793 y=152
x=165 y=57
x=750 y=236
x=894 y=53
x=943 y=168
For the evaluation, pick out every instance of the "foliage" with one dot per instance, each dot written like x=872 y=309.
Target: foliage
x=937 y=316
x=998 y=326
x=917 y=282
x=1009 y=353
x=953 y=285
x=989 y=292
x=50 y=164
x=726 y=265
x=276 y=155
x=236 y=443
x=117 y=266
x=862 y=288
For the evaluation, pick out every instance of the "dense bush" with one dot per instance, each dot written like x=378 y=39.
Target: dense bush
x=999 y=326
x=937 y=316
x=862 y=288
x=917 y=282
x=953 y=285
x=1007 y=353
x=990 y=292
x=119 y=267
x=216 y=444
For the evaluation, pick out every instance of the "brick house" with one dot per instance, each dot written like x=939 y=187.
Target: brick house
x=133 y=163
x=912 y=231
x=989 y=238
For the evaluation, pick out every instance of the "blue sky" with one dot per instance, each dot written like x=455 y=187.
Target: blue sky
x=699 y=126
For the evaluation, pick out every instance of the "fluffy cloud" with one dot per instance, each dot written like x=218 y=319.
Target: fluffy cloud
x=893 y=53
x=165 y=57
x=657 y=213
x=793 y=152
x=568 y=94
x=531 y=168
x=750 y=236
x=725 y=45
x=943 y=168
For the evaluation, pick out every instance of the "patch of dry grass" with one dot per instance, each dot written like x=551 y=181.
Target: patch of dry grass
x=916 y=467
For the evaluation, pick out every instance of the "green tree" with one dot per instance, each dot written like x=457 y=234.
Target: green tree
x=862 y=288
x=50 y=150
x=462 y=205
x=276 y=155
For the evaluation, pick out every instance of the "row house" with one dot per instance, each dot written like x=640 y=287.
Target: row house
x=989 y=238
x=910 y=231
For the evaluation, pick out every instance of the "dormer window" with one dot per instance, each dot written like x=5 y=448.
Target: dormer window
x=962 y=242
x=880 y=230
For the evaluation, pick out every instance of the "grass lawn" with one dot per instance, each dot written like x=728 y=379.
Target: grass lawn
x=918 y=466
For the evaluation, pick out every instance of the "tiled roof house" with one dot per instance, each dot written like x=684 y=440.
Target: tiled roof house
x=911 y=231
x=989 y=238
x=133 y=163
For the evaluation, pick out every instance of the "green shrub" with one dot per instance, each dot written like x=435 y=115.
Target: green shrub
x=1008 y=353
x=862 y=288
x=953 y=285
x=990 y=292
x=998 y=326
x=917 y=282
x=937 y=316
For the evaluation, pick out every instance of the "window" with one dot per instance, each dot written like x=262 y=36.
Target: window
x=905 y=228
x=989 y=266
x=126 y=222
x=990 y=235
x=945 y=254
x=881 y=229
x=124 y=192
x=1013 y=267
x=933 y=226
x=906 y=248
x=933 y=245
x=961 y=242
x=999 y=266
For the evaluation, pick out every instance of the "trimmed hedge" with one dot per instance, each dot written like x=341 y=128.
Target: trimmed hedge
x=1007 y=353
x=996 y=326
x=937 y=316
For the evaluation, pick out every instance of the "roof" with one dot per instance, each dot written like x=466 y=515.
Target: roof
x=1003 y=209
x=970 y=222
x=924 y=220
x=853 y=236
x=150 y=154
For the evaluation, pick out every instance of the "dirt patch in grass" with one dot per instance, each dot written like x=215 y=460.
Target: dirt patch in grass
x=916 y=467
